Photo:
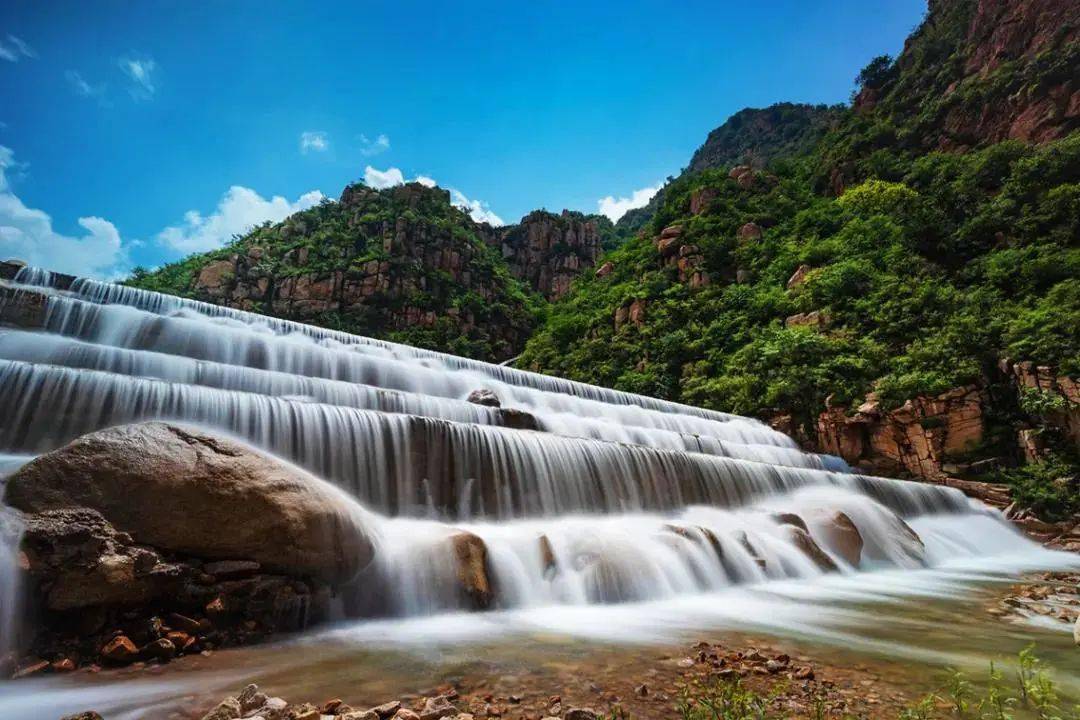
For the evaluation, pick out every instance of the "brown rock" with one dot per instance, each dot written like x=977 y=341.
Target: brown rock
x=470 y=554
x=239 y=502
x=840 y=534
x=606 y=269
x=750 y=231
x=120 y=650
x=387 y=710
x=798 y=277
x=485 y=397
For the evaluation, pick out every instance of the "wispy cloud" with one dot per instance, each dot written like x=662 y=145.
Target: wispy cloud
x=14 y=49
x=28 y=234
x=479 y=210
x=314 y=141
x=237 y=212
x=615 y=208
x=370 y=147
x=82 y=88
x=142 y=76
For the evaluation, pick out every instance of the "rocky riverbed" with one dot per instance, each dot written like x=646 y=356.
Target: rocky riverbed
x=648 y=684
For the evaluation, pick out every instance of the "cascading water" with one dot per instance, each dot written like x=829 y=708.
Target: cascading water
x=578 y=495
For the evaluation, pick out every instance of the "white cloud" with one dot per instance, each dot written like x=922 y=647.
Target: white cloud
x=27 y=233
x=479 y=211
x=239 y=210
x=82 y=87
x=314 y=140
x=615 y=208
x=141 y=72
x=380 y=179
x=374 y=147
x=14 y=49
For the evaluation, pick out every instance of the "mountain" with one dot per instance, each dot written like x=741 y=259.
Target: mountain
x=752 y=136
x=901 y=290
x=402 y=264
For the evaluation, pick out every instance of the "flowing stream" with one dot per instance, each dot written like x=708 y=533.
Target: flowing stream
x=602 y=512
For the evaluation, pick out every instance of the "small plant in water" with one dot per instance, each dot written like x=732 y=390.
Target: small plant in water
x=959 y=690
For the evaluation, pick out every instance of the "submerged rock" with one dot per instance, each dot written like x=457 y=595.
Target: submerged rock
x=188 y=491
x=485 y=397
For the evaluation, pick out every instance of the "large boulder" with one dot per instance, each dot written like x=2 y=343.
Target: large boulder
x=183 y=490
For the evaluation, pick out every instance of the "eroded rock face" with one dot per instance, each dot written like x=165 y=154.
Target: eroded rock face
x=548 y=251
x=914 y=438
x=81 y=560
x=186 y=491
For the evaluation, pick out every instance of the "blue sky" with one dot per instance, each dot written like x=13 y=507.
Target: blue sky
x=137 y=132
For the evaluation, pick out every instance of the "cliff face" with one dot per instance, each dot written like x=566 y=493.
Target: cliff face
x=982 y=71
x=547 y=251
x=402 y=264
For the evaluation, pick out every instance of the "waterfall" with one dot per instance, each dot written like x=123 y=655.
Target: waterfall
x=576 y=494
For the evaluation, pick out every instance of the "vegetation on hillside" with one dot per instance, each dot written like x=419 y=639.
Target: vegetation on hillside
x=480 y=310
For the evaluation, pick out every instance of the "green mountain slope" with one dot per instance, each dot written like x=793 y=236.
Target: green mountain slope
x=401 y=264
x=928 y=239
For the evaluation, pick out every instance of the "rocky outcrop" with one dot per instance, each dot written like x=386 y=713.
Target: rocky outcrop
x=548 y=251
x=913 y=439
x=97 y=596
x=1057 y=397
x=185 y=491
x=981 y=72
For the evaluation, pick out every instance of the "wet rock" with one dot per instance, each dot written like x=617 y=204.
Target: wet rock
x=547 y=557
x=120 y=650
x=32 y=667
x=801 y=539
x=307 y=711
x=406 y=714
x=227 y=709
x=840 y=535
x=239 y=502
x=80 y=560
x=231 y=569
x=485 y=397
x=470 y=555
x=437 y=707
x=1076 y=631
x=581 y=714
x=160 y=649
x=387 y=710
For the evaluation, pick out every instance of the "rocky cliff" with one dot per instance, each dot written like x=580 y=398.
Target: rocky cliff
x=547 y=251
